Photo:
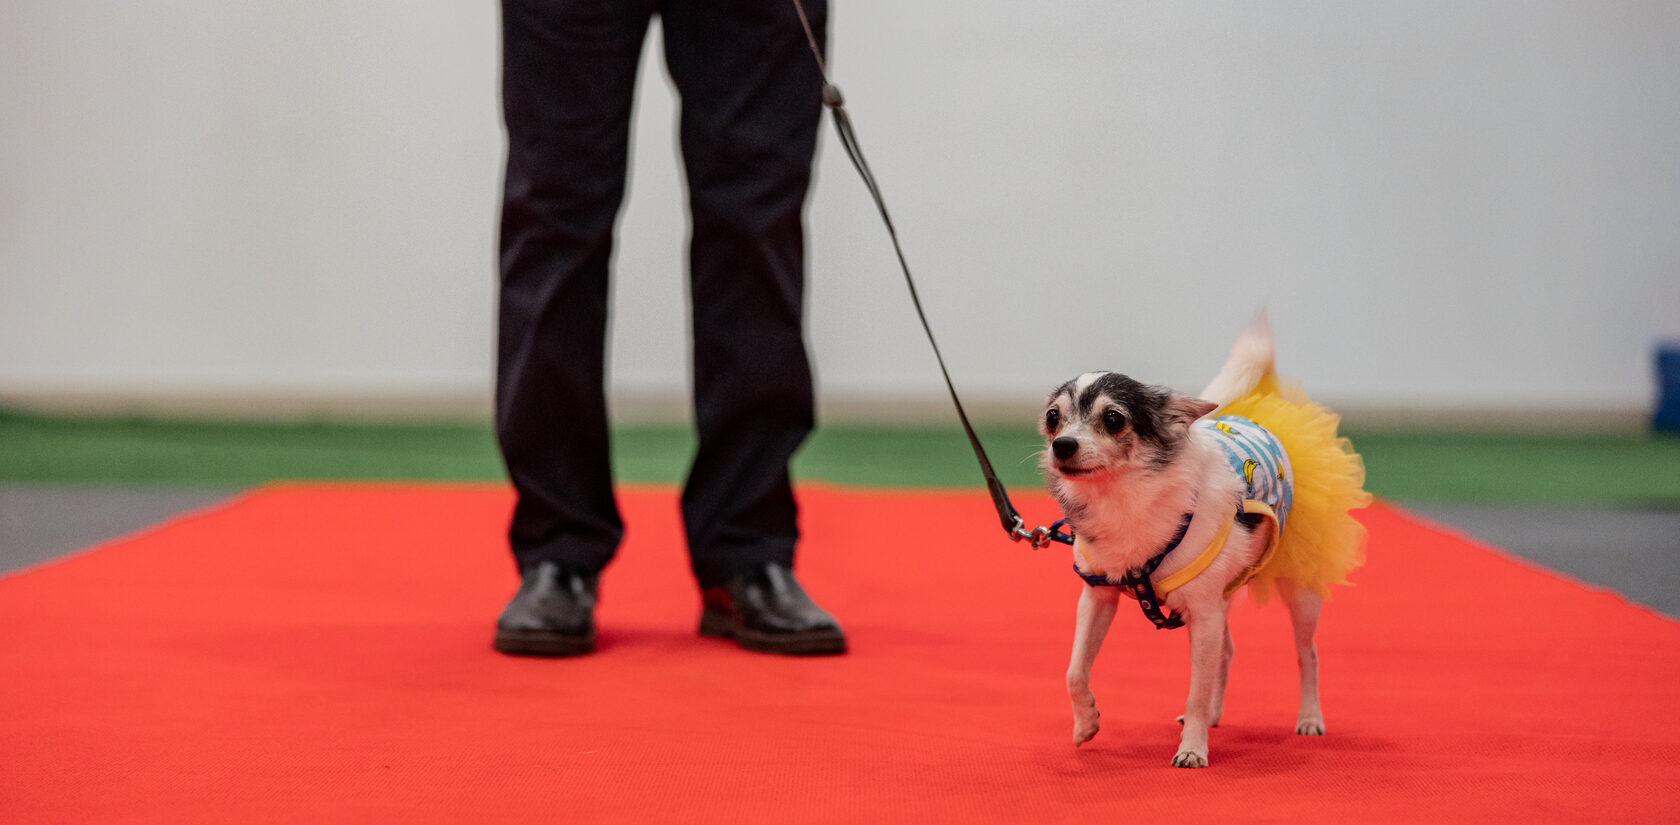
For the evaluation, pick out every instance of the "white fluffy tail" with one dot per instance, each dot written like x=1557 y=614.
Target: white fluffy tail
x=1250 y=361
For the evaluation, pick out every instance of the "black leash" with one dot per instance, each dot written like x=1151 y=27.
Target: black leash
x=836 y=103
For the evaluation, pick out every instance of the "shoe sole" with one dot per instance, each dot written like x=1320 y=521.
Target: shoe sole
x=542 y=643
x=719 y=625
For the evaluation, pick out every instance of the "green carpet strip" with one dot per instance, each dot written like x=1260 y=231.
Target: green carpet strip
x=1503 y=468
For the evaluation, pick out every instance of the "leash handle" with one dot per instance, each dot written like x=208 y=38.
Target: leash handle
x=836 y=103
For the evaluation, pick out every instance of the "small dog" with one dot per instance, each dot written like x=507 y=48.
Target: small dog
x=1180 y=511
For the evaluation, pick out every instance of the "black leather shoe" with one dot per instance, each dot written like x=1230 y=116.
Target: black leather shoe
x=553 y=614
x=765 y=609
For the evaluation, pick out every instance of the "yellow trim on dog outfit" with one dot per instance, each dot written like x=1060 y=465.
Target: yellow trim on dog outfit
x=1182 y=576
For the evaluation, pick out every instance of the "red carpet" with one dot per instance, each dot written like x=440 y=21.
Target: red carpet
x=321 y=654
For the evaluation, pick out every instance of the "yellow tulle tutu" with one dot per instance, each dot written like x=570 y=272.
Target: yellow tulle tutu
x=1321 y=543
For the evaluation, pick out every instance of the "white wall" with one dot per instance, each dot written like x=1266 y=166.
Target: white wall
x=1444 y=205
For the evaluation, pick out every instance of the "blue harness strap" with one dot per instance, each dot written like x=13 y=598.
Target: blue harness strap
x=1137 y=585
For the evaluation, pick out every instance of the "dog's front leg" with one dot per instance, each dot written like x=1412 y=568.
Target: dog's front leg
x=1207 y=646
x=1096 y=612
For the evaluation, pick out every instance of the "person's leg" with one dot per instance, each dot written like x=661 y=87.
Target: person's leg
x=569 y=74
x=751 y=103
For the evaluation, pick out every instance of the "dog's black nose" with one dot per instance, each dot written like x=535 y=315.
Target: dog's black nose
x=1064 y=447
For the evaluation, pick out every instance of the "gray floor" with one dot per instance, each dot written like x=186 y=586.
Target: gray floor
x=1634 y=552
x=41 y=522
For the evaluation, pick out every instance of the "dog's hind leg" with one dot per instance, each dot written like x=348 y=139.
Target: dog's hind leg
x=1304 y=606
x=1096 y=613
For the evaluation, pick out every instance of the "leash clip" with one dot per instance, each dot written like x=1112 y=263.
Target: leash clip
x=1040 y=537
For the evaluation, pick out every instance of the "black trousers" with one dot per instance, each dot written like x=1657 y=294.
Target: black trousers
x=750 y=99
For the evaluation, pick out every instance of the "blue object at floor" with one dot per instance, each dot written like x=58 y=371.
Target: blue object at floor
x=1667 y=416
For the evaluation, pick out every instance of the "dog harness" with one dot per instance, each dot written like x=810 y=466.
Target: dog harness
x=1258 y=456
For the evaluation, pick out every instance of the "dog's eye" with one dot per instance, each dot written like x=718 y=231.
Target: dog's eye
x=1053 y=419
x=1113 y=421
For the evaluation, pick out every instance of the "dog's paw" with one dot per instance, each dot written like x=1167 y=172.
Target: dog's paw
x=1310 y=727
x=1085 y=727
x=1190 y=759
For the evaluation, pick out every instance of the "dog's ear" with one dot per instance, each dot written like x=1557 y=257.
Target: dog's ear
x=1182 y=409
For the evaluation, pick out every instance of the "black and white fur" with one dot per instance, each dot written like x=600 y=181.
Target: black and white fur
x=1124 y=464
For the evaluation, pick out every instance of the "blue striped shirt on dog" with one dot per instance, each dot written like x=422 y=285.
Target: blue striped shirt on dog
x=1259 y=458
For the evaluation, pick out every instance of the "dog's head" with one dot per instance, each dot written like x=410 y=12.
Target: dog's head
x=1102 y=425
